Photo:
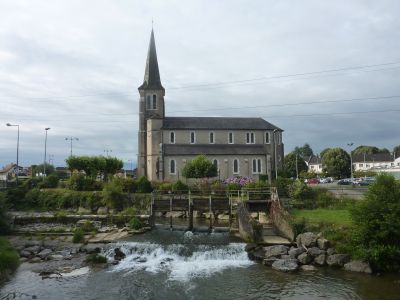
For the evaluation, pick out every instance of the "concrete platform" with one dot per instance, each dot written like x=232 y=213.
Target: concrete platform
x=275 y=240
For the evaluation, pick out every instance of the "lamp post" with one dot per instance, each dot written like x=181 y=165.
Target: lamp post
x=351 y=161
x=16 y=174
x=107 y=152
x=51 y=159
x=71 y=138
x=275 y=155
x=45 y=152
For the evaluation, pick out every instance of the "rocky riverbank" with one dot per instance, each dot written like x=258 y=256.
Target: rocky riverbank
x=309 y=252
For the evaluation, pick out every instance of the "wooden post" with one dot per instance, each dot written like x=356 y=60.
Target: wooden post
x=230 y=213
x=170 y=212
x=211 y=215
x=190 y=227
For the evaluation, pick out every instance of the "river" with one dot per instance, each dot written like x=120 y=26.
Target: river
x=175 y=265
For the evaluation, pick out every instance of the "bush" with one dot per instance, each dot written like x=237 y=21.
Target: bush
x=129 y=185
x=9 y=258
x=51 y=181
x=377 y=224
x=96 y=258
x=15 y=196
x=233 y=187
x=113 y=195
x=79 y=236
x=179 y=186
x=144 y=185
x=282 y=185
x=165 y=187
x=79 y=182
x=135 y=223
x=4 y=220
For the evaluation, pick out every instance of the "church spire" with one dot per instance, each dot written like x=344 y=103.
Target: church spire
x=152 y=74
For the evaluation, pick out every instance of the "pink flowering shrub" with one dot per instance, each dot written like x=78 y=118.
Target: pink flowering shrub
x=240 y=180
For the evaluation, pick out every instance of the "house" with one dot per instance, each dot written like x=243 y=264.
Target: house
x=237 y=146
x=374 y=162
x=314 y=164
x=8 y=172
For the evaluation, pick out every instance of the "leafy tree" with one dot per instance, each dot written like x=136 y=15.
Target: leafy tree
x=200 y=167
x=94 y=166
x=290 y=164
x=144 y=185
x=114 y=195
x=324 y=151
x=112 y=165
x=396 y=151
x=336 y=163
x=38 y=169
x=377 y=224
x=304 y=151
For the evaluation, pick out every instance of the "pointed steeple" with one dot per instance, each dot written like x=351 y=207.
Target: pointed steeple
x=152 y=74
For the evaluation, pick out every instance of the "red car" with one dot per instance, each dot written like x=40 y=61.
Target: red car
x=312 y=181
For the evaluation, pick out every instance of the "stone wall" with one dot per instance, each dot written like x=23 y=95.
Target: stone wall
x=281 y=218
x=250 y=229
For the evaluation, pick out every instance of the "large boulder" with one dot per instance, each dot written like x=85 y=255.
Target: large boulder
x=119 y=255
x=320 y=260
x=44 y=253
x=285 y=265
x=91 y=248
x=102 y=210
x=307 y=239
x=358 y=266
x=323 y=244
x=250 y=247
x=26 y=254
x=295 y=252
x=84 y=211
x=315 y=251
x=304 y=258
x=338 y=260
x=277 y=250
x=269 y=261
x=33 y=249
x=331 y=251
x=257 y=254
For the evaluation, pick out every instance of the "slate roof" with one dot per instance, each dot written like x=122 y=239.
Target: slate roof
x=152 y=74
x=216 y=123
x=379 y=157
x=314 y=160
x=214 y=149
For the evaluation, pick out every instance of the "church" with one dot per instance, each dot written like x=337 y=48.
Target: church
x=237 y=146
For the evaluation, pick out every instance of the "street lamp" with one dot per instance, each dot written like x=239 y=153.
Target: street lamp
x=45 y=151
x=351 y=161
x=51 y=159
x=107 y=152
x=71 y=138
x=16 y=174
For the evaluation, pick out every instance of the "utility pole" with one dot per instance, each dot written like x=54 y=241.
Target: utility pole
x=45 y=149
x=107 y=152
x=297 y=168
x=71 y=138
x=16 y=173
x=351 y=161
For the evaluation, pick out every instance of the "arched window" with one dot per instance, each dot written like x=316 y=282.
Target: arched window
x=215 y=163
x=235 y=166
x=192 y=137
x=267 y=137
x=172 y=166
x=256 y=166
x=148 y=103
x=250 y=138
x=154 y=101
x=230 y=138
x=211 y=137
x=172 y=137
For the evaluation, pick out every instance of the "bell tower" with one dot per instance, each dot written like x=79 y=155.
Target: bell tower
x=151 y=104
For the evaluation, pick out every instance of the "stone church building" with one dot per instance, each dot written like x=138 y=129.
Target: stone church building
x=237 y=146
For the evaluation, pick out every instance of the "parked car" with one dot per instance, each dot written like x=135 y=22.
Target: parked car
x=366 y=181
x=346 y=181
x=312 y=181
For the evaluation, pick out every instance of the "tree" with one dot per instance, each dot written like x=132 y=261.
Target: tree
x=368 y=150
x=290 y=165
x=200 y=167
x=336 y=163
x=304 y=151
x=376 y=222
x=396 y=151
x=323 y=152
x=38 y=169
x=94 y=166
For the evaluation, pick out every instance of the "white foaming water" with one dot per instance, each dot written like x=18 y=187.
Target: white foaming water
x=178 y=261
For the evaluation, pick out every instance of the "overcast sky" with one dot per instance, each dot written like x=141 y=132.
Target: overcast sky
x=75 y=66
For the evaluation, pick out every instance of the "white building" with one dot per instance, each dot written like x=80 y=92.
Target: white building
x=314 y=164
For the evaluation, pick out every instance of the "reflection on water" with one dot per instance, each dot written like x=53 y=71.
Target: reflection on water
x=178 y=265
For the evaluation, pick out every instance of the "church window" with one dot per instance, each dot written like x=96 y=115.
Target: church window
x=148 y=104
x=256 y=166
x=193 y=137
x=250 y=138
x=235 y=166
x=215 y=163
x=172 y=166
x=211 y=137
x=154 y=101
x=267 y=137
x=172 y=137
x=230 y=138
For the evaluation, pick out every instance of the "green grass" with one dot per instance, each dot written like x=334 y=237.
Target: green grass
x=9 y=259
x=322 y=215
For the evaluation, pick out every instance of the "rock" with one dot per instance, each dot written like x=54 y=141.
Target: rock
x=84 y=211
x=308 y=268
x=33 y=243
x=304 y=258
x=315 y=251
x=83 y=222
x=91 y=248
x=331 y=251
x=307 y=239
x=286 y=256
x=223 y=217
x=285 y=265
x=250 y=247
x=23 y=259
x=358 y=266
x=337 y=260
x=102 y=210
x=175 y=214
x=295 y=252
x=275 y=250
x=44 y=253
x=55 y=257
x=269 y=261
x=119 y=255
x=26 y=254
x=258 y=254
x=323 y=244
x=35 y=260
x=254 y=215
x=320 y=260
x=33 y=249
